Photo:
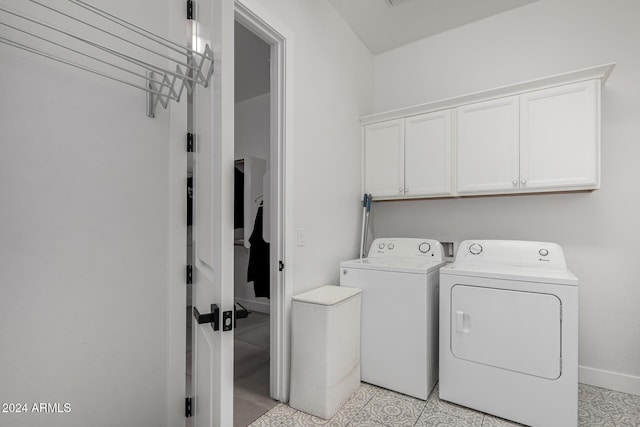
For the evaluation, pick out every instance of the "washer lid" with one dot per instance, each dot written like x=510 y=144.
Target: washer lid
x=507 y=272
x=414 y=265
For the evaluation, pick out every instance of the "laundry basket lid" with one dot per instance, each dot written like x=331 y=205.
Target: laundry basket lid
x=327 y=295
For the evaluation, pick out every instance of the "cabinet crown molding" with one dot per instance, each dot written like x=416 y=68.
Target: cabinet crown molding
x=601 y=72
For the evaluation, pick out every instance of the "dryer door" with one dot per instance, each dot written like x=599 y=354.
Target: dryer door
x=513 y=330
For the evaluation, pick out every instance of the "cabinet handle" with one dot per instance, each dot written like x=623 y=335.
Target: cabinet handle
x=523 y=182
x=400 y=191
x=514 y=182
x=406 y=190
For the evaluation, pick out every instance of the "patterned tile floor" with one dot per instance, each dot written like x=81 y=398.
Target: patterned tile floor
x=374 y=406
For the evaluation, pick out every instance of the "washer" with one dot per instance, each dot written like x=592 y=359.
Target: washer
x=399 y=325
x=509 y=332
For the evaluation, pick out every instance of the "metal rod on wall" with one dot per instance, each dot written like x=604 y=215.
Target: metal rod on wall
x=159 y=82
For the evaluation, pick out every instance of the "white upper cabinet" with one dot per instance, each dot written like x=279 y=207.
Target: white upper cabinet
x=487 y=146
x=559 y=143
x=544 y=140
x=383 y=165
x=408 y=157
x=427 y=155
x=537 y=136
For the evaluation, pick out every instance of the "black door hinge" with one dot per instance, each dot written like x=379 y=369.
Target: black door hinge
x=189 y=277
x=280 y=265
x=189 y=142
x=190 y=200
x=188 y=407
x=189 y=9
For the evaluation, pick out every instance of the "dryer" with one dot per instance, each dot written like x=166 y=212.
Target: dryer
x=399 y=323
x=509 y=332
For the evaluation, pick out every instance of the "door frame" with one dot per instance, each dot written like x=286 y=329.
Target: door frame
x=250 y=14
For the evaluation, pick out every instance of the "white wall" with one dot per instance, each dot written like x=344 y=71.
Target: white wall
x=252 y=127
x=333 y=80
x=599 y=231
x=252 y=134
x=84 y=242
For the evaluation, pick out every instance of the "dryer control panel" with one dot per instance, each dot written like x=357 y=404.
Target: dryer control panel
x=403 y=247
x=516 y=253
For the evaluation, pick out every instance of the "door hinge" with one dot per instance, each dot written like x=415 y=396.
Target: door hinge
x=280 y=265
x=189 y=142
x=188 y=407
x=190 y=200
x=189 y=277
x=189 y=9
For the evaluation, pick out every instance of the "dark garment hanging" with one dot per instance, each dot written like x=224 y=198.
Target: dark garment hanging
x=258 y=271
x=238 y=199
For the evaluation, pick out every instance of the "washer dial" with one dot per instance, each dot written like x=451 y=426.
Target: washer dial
x=475 y=249
x=424 y=247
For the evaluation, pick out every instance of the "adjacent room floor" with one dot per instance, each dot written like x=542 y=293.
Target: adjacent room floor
x=374 y=406
x=251 y=369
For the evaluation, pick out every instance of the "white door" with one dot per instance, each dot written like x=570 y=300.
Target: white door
x=427 y=151
x=512 y=330
x=213 y=219
x=384 y=158
x=559 y=144
x=487 y=146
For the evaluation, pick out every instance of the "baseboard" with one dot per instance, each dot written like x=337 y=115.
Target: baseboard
x=259 y=306
x=611 y=380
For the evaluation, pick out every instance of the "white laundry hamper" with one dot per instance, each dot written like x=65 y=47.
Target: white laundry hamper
x=325 y=349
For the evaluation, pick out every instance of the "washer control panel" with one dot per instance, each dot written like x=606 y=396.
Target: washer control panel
x=407 y=247
x=514 y=253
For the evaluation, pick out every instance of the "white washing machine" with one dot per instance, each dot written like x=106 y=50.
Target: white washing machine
x=509 y=332
x=399 y=325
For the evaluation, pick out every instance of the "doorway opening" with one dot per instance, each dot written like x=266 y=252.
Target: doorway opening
x=252 y=226
x=263 y=128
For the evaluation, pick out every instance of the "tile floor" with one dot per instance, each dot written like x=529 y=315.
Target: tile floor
x=374 y=406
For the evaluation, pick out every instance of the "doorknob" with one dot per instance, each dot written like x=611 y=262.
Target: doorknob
x=213 y=317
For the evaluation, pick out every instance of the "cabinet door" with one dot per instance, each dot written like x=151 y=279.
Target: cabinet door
x=487 y=146
x=427 y=149
x=559 y=137
x=383 y=165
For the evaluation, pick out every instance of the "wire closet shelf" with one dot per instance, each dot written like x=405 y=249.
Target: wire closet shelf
x=128 y=53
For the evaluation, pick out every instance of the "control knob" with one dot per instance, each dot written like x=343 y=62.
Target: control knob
x=424 y=247
x=475 y=249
